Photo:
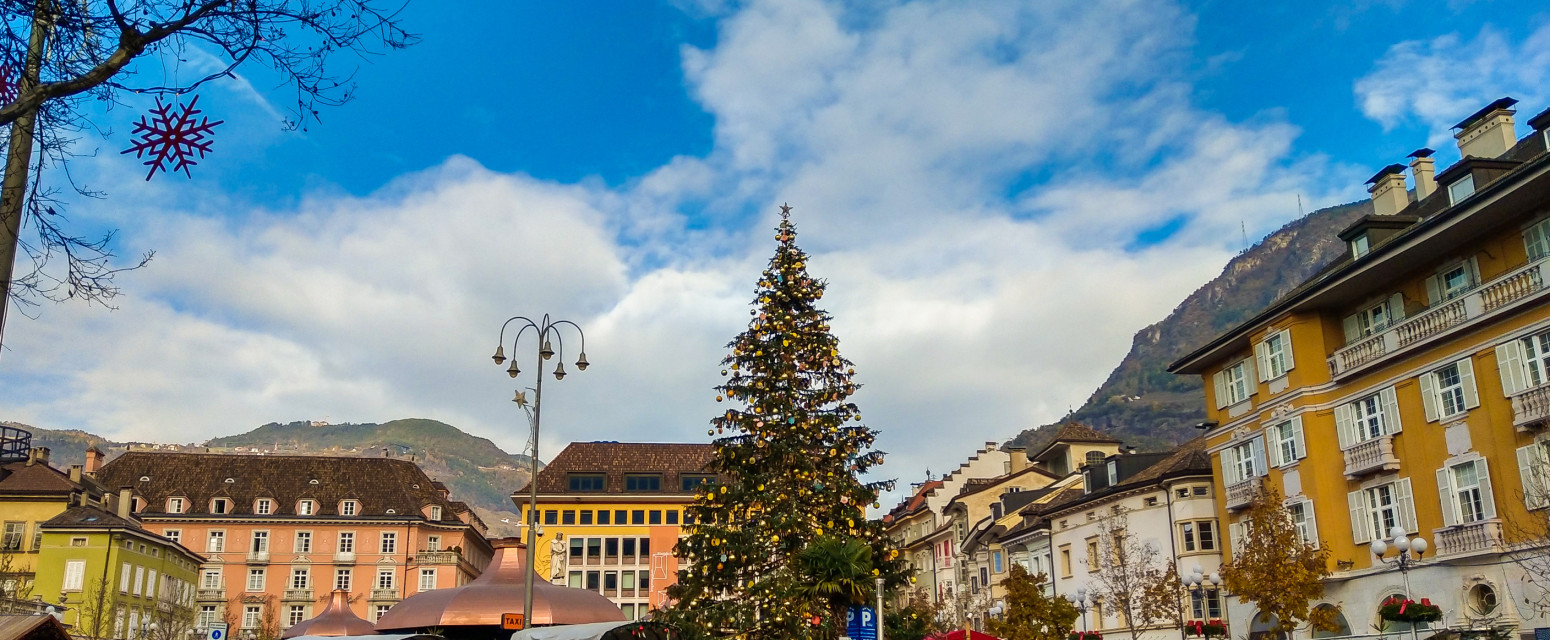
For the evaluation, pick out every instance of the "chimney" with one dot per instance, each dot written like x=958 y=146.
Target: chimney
x=1388 y=190
x=75 y=473
x=93 y=460
x=37 y=455
x=1019 y=458
x=124 y=503
x=1423 y=170
x=1489 y=132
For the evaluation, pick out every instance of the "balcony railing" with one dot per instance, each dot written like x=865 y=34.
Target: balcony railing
x=436 y=557
x=1376 y=454
x=1475 y=537
x=344 y=556
x=1241 y=494
x=258 y=556
x=1521 y=283
x=210 y=594
x=304 y=595
x=384 y=594
x=1531 y=409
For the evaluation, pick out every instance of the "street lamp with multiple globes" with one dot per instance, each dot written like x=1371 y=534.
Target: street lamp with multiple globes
x=1081 y=602
x=1407 y=552
x=543 y=331
x=1200 y=585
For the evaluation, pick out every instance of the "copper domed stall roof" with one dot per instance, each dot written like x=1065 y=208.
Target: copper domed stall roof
x=496 y=591
x=336 y=620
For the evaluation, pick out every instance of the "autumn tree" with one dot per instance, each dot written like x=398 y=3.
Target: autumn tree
x=63 y=60
x=1165 y=596
x=15 y=577
x=1276 y=570
x=919 y=618
x=1125 y=567
x=1030 y=614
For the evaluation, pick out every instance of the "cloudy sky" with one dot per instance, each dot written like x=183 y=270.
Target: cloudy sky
x=999 y=192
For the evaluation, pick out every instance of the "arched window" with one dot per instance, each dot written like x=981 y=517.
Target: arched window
x=1095 y=458
x=1336 y=617
x=1262 y=625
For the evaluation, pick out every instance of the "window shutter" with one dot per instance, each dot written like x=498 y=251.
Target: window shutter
x=75 y=572
x=1445 y=495
x=1474 y=271
x=1219 y=380
x=1406 y=505
x=1433 y=291
x=1487 y=501
x=1258 y=451
x=1262 y=360
x=1249 y=374
x=1345 y=427
x=1237 y=531
x=1286 y=349
x=1299 y=450
x=1390 y=401
x=1534 y=471
x=1509 y=362
x=1467 y=381
x=1357 y=500
x=1428 y=397
x=1353 y=330
x=1396 y=308
x=1274 y=448
x=1313 y=523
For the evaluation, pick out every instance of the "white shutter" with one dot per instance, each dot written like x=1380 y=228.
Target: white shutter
x=1286 y=349
x=1219 y=380
x=1396 y=308
x=1467 y=382
x=1406 y=505
x=1353 y=330
x=1474 y=271
x=1509 y=362
x=1534 y=241
x=1428 y=396
x=1360 y=530
x=1534 y=471
x=1229 y=470
x=1237 y=531
x=1312 y=523
x=1299 y=449
x=1487 y=502
x=1262 y=360
x=75 y=573
x=1258 y=451
x=1390 y=401
x=1445 y=495
x=1345 y=429
x=1433 y=291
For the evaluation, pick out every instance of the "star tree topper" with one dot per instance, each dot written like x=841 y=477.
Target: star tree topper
x=171 y=136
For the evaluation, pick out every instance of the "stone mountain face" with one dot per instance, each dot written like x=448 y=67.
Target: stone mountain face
x=474 y=469
x=1152 y=409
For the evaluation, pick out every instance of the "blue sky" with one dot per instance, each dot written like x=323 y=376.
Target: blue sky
x=968 y=175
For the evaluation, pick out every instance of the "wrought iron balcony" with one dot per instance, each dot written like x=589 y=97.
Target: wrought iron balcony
x=1509 y=290
x=1474 y=537
x=1371 y=456
x=1531 y=409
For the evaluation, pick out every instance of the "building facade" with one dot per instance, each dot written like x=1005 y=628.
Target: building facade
x=279 y=533
x=31 y=493
x=610 y=514
x=1405 y=387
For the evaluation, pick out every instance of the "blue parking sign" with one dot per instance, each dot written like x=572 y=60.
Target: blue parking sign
x=861 y=623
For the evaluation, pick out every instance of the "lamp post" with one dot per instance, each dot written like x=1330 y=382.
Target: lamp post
x=880 y=618
x=1082 y=604
x=1199 y=586
x=543 y=331
x=1407 y=552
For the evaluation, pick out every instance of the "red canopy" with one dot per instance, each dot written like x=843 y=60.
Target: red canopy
x=960 y=634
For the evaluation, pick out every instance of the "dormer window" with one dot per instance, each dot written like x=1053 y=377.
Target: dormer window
x=1460 y=189
x=1359 y=246
x=1113 y=472
x=176 y=505
x=435 y=513
x=643 y=482
x=349 y=507
x=306 y=507
x=263 y=506
x=220 y=505
x=1094 y=458
x=585 y=482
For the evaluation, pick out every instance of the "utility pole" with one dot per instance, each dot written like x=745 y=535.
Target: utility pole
x=13 y=189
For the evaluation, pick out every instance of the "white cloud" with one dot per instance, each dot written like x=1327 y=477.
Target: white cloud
x=968 y=299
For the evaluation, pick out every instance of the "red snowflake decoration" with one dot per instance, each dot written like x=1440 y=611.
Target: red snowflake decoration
x=171 y=136
x=8 y=88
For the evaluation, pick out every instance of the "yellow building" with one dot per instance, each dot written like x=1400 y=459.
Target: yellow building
x=1407 y=386
x=609 y=515
x=32 y=492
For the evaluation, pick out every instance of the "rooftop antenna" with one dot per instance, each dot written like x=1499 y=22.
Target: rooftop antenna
x=1244 y=228
x=1299 y=206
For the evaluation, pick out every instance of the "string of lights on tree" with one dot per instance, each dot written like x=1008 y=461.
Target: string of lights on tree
x=790 y=451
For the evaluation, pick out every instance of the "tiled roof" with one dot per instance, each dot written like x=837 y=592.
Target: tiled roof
x=915 y=502
x=1077 y=432
x=378 y=484
x=1189 y=459
x=90 y=517
x=615 y=459
x=39 y=478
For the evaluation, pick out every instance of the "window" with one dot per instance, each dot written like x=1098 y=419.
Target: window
x=349 y=507
x=295 y=614
x=693 y=482
x=385 y=578
x=217 y=542
x=672 y=516
x=552 y=516
x=1452 y=281
x=1374 y=319
x=175 y=505
x=210 y=578
x=1183 y=493
x=342 y=578
x=1202 y=491
x=347 y=542
x=1113 y=473
x=1275 y=355
x=1093 y=458
x=389 y=543
x=1208 y=606
x=996 y=562
x=427 y=579
x=568 y=516
x=1245 y=461
x=15 y=533
x=1536 y=239
x=250 y=616
x=220 y=506
x=643 y=482
x=1367 y=418
x=175 y=535
x=1232 y=384
x=629 y=549
x=1524 y=364
x=263 y=506
x=303 y=542
x=433 y=543
x=594 y=548
x=255 y=579
x=1378 y=509
x=1092 y=555
x=574 y=580
x=1359 y=246
x=1465 y=491
x=591 y=482
x=379 y=610
x=1461 y=188
x=1449 y=391
x=1286 y=439
x=306 y=507
x=594 y=579
x=206 y=616
x=577 y=549
x=75 y=575
x=611 y=581
x=621 y=516
x=645 y=580
x=638 y=516
x=656 y=516
x=1534 y=472
x=1301 y=514
x=260 y=542
x=1198 y=535
x=602 y=516
x=301 y=578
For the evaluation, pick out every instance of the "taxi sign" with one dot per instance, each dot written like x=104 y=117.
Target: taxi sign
x=512 y=621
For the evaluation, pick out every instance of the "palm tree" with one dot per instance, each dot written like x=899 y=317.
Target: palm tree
x=838 y=571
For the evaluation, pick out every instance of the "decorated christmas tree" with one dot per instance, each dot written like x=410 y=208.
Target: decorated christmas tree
x=791 y=451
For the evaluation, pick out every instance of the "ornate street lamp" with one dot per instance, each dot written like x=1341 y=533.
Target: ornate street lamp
x=1407 y=553
x=1082 y=604
x=546 y=332
x=1200 y=585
